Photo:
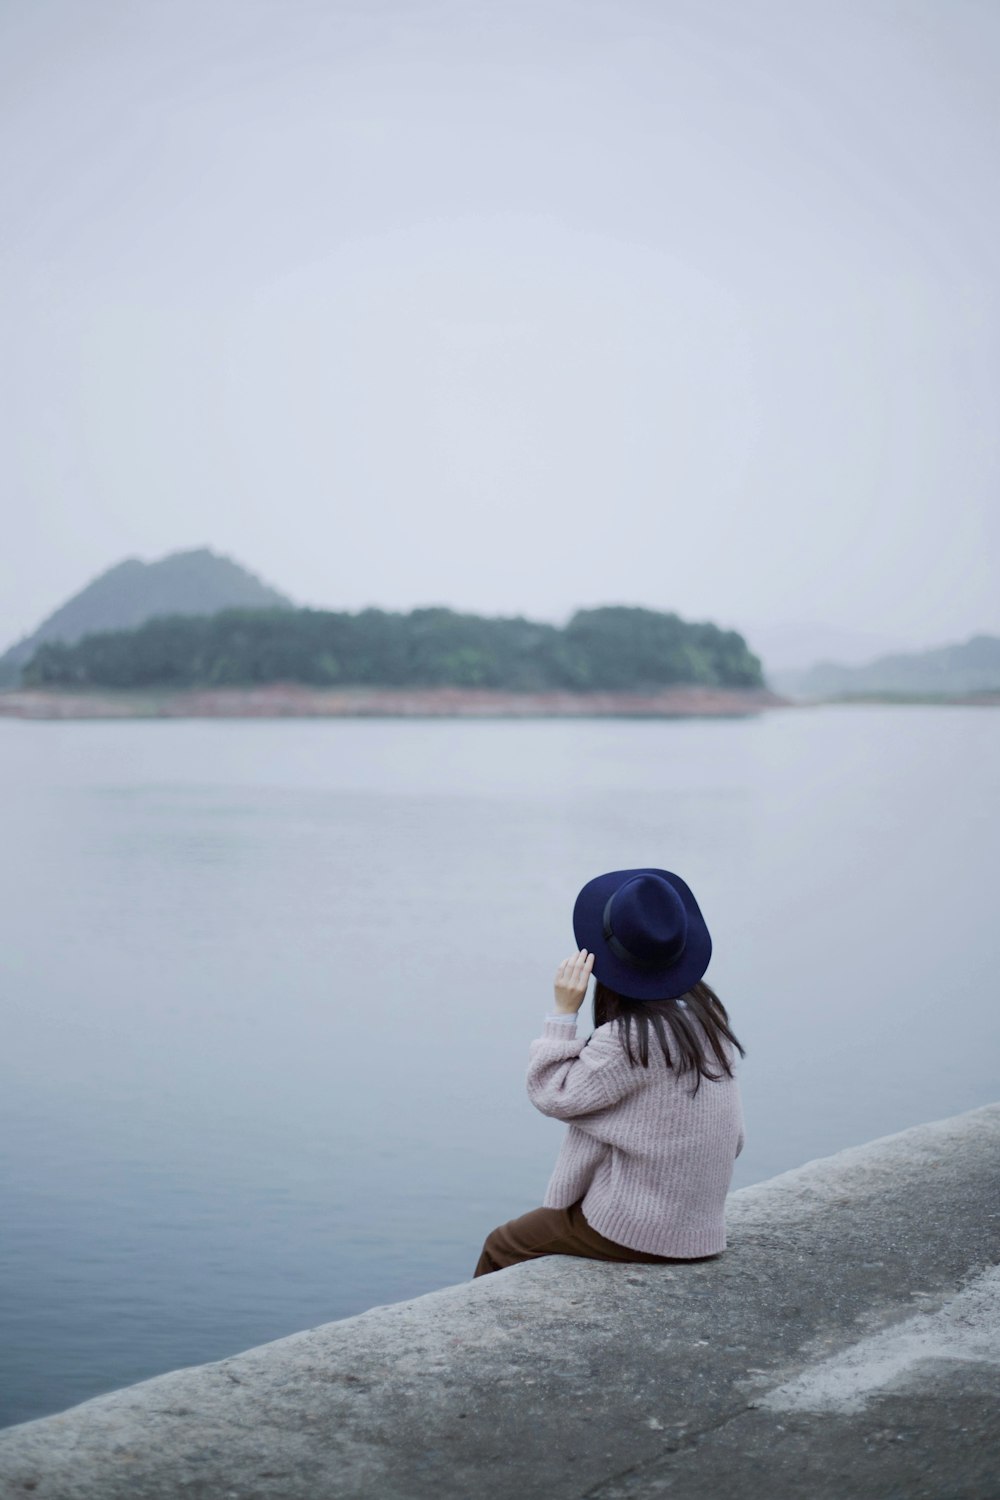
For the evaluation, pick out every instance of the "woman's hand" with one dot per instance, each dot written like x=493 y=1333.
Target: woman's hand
x=572 y=978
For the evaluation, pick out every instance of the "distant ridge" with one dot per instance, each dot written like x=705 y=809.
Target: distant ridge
x=198 y=582
x=789 y=646
x=971 y=667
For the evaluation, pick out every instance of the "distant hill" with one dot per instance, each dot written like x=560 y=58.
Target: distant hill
x=183 y=583
x=613 y=647
x=794 y=646
x=968 y=668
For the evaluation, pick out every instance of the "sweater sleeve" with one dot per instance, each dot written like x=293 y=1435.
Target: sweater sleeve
x=571 y=1076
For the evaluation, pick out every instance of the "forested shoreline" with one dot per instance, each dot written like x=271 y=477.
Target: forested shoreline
x=611 y=647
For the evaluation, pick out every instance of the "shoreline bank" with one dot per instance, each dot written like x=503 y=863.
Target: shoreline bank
x=294 y=700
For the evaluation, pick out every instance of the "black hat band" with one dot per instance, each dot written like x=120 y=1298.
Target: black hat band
x=663 y=960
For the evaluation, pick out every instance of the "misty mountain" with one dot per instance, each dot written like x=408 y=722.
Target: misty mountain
x=793 y=646
x=973 y=666
x=198 y=582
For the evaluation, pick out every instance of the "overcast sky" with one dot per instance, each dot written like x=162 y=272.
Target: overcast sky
x=516 y=307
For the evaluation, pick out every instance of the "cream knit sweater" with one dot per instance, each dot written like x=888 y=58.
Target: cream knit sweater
x=651 y=1161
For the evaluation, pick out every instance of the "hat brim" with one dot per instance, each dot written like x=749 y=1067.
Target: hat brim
x=667 y=983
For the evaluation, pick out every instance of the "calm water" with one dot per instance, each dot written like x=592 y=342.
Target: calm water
x=268 y=990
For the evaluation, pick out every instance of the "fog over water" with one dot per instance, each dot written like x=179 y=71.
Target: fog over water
x=269 y=989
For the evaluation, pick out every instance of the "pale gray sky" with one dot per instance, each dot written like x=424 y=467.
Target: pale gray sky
x=510 y=306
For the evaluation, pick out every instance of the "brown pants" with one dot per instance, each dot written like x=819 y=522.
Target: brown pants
x=555 y=1231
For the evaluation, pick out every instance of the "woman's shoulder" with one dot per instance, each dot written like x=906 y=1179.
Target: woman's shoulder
x=606 y=1040
x=609 y=1039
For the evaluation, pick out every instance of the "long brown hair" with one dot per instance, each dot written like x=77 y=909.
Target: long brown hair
x=701 y=1004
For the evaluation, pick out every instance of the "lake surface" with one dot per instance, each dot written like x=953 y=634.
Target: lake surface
x=268 y=989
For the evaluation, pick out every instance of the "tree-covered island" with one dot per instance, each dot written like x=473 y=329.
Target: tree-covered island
x=612 y=647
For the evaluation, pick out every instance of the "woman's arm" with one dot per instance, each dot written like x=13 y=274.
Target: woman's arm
x=570 y=1076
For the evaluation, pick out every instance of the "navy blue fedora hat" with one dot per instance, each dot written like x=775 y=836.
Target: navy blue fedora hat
x=646 y=932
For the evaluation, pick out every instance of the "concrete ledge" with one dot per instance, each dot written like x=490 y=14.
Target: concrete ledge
x=847 y=1344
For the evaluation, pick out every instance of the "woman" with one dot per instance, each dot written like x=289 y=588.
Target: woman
x=647 y=1161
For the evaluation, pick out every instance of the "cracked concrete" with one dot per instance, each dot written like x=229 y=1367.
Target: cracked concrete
x=846 y=1345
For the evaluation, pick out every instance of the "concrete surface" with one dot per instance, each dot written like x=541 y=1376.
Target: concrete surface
x=846 y=1345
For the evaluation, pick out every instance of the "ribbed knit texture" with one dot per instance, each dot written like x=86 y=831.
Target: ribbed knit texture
x=652 y=1161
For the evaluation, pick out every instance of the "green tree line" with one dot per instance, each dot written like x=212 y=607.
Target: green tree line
x=610 y=647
